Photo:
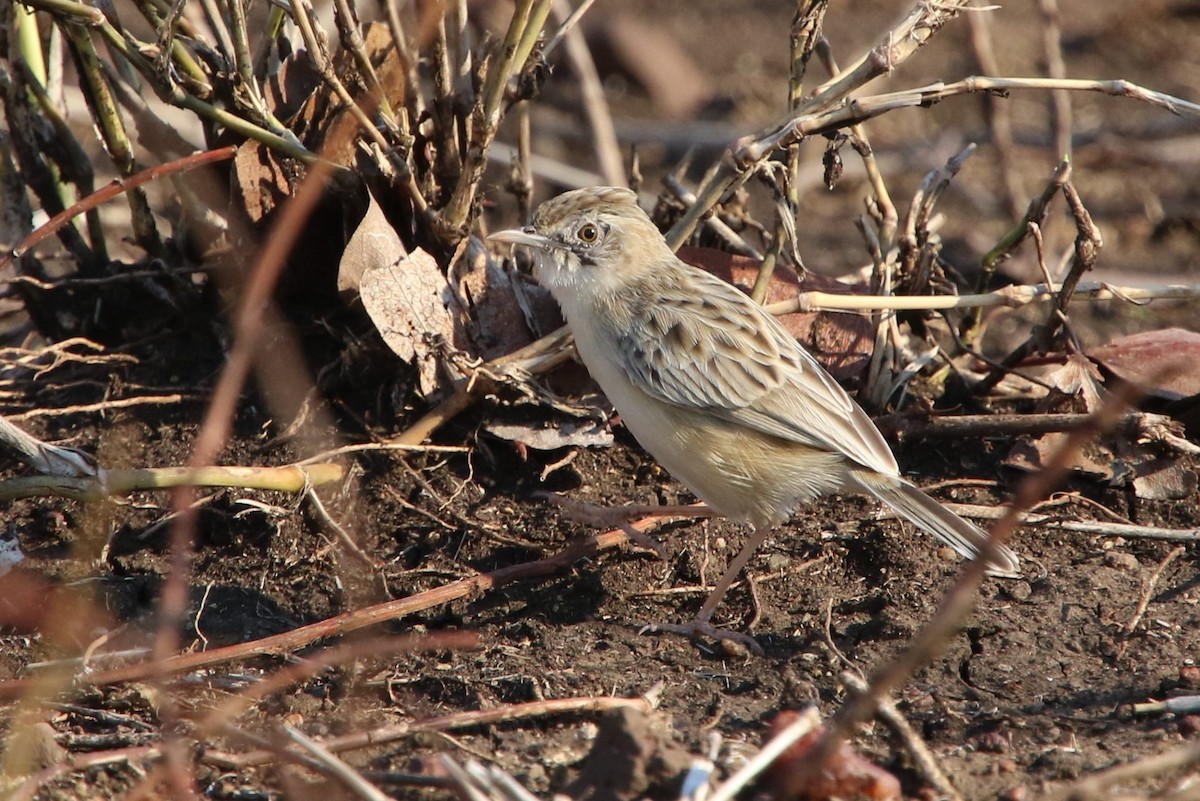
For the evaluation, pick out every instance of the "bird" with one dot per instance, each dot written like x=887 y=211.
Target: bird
x=713 y=386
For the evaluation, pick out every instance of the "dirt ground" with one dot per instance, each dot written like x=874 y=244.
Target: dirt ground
x=1035 y=692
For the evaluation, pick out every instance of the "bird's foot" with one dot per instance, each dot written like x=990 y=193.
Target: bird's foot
x=701 y=629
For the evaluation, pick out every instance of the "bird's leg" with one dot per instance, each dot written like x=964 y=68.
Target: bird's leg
x=621 y=517
x=701 y=625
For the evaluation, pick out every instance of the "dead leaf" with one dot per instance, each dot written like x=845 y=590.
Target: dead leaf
x=1095 y=460
x=1079 y=390
x=260 y=182
x=552 y=435
x=409 y=301
x=846 y=774
x=289 y=87
x=487 y=291
x=321 y=121
x=841 y=342
x=1160 y=363
x=1165 y=480
x=1119 y=458
x=1079 y=378
x=373 y=244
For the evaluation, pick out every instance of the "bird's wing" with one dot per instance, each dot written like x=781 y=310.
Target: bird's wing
x=704 y=344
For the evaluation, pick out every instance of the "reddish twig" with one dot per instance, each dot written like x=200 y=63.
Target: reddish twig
x=350 y=621
x=114 y=189
x=460 y=720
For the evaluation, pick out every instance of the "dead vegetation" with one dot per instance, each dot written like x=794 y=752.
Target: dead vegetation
x=294 y=304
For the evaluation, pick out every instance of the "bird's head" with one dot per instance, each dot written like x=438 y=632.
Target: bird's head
x=589 y=241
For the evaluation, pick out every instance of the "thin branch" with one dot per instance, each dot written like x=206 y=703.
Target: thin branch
x=1010 y=296
x=894 y=47
x=461 y=720
x=1094 y=527
x=752 y=149
x=997 y=112
x=113 y=189
x=343 y=624
x=115 y=483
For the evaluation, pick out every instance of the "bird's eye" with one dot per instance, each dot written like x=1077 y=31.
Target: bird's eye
x=588 y=233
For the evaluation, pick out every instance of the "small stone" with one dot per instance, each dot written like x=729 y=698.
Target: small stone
x=1189 y=725
x=921 y=702
x=1018 y=793
x=1119 y=560
x=993 y=742
x=948 y=554
x=1189 y=676
x=734 y=649
x=1017 y=590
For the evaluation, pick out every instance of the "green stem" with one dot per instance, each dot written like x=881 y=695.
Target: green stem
x=112 y=130
x=110 y=483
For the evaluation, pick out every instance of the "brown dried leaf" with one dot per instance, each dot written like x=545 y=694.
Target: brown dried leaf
x=373 y=244
x=1118 y=459
x=409 y=302
x=260 y=182
x=846 y=774
x=321 y=122
x=1078 y=382
x=1079 y=377
x=1094 y=459
x=1165 y=480
x=841 y=342
x=1160 y=363
x=488 y=292
x=289 y=88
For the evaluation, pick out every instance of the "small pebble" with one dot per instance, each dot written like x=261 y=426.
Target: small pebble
x=1189 y=676
x=1017 y=590
x=1189 y=725
x=993 y=742
x=1120 y=560
x=1018 y=793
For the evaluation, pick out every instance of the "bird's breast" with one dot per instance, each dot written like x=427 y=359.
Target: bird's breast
x=747 y=475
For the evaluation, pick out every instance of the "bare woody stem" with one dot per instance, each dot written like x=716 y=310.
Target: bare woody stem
x=110 y=483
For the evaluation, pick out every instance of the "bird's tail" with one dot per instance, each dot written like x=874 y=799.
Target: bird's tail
x=924 y=512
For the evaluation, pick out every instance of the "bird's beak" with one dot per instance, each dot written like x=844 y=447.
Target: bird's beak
x=522 y=236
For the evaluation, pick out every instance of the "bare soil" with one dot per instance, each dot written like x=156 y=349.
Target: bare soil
x=1033 y=693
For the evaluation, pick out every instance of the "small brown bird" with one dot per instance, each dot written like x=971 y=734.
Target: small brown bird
x=712 y=385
